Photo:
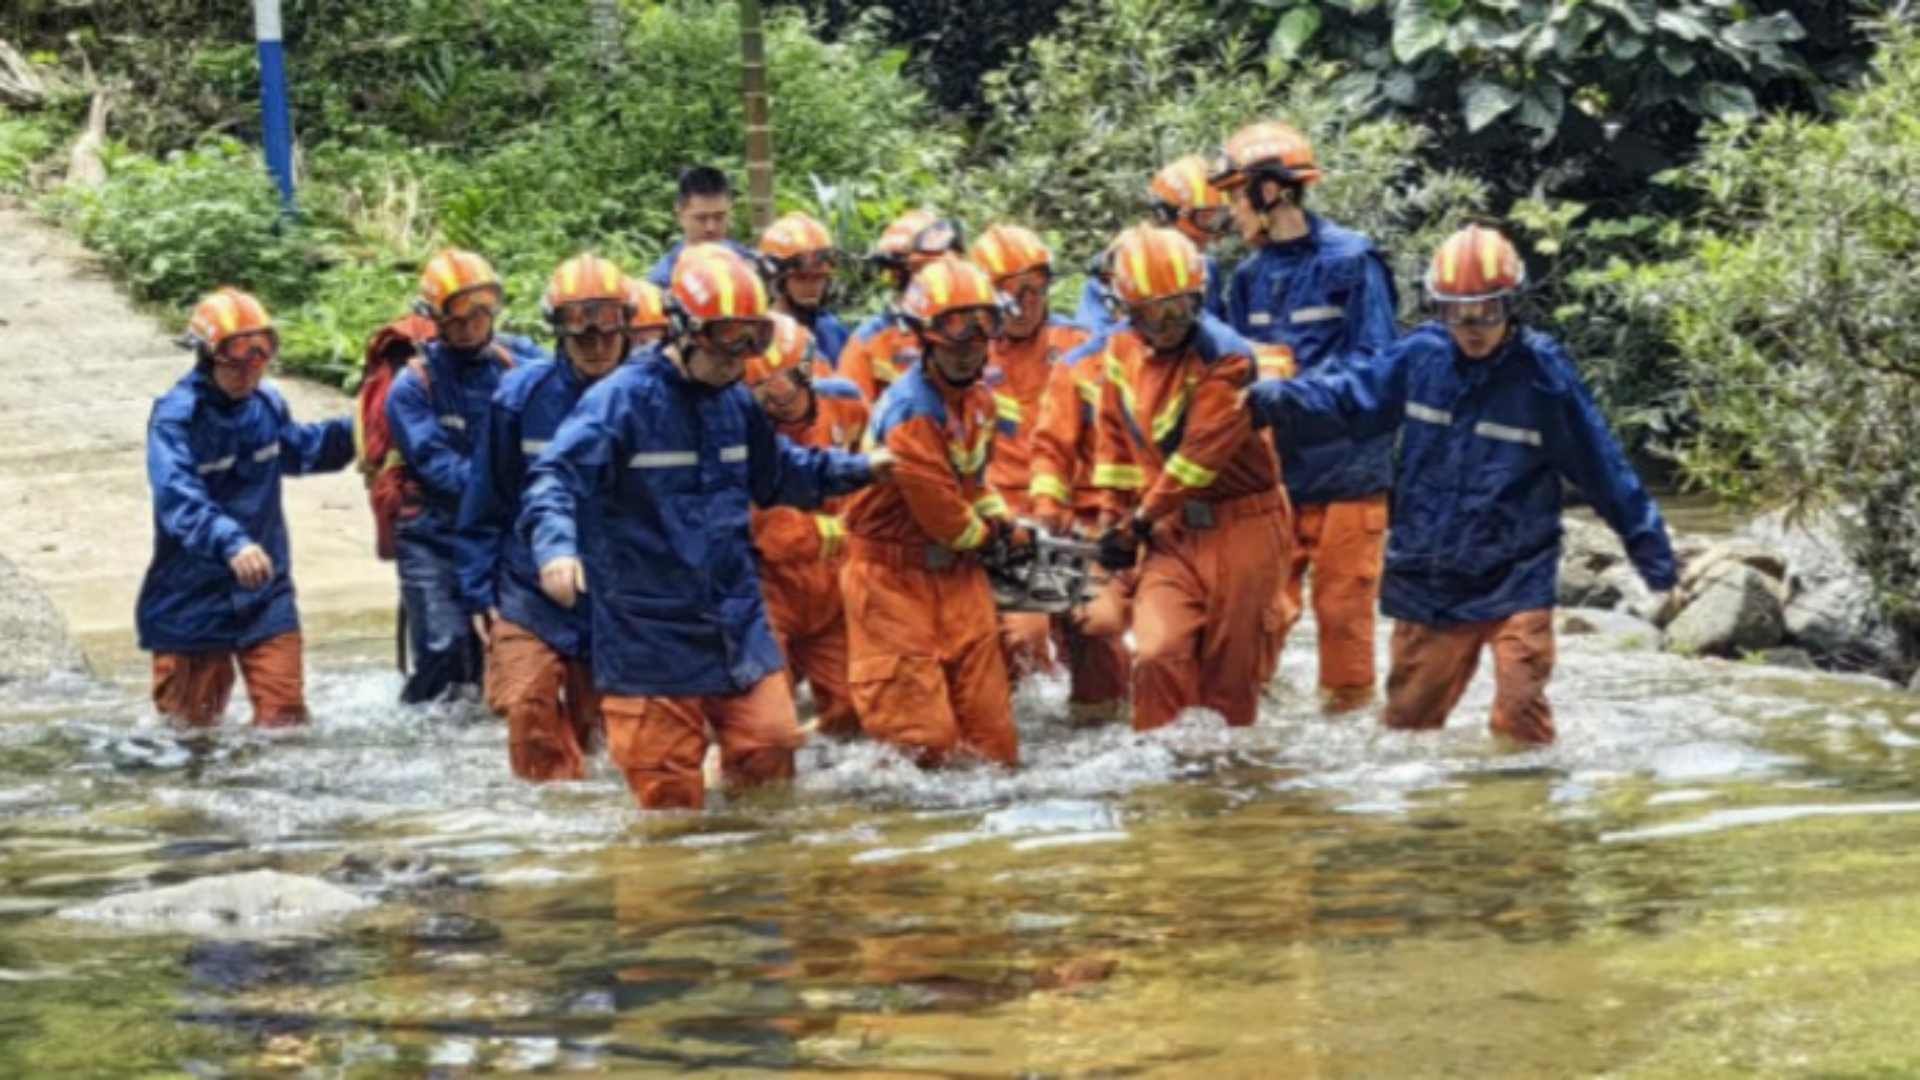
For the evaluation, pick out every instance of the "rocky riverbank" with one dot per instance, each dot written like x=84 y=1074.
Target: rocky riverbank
x=34 y=642
x=1773 y=593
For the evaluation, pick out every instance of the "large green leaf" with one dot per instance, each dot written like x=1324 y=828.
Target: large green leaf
x=1727 y=101
x=1416 y=33
x=1483 y=102
x=1682 y=25
x=1677 y=60
x=1766 y=30
x=1624 y=10
x=1296 y=28
x=1624 y=44
x=1542 y=106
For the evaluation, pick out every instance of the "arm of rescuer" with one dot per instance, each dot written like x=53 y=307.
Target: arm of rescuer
x=935 y=500
x=576 y=465
x=307 y=449
x=1359 y=399
x=183 y=507
x=1217 y=428
x=487 y=507
x=1117 y=473
x=1062 y=429
x=423 y=441
x=786 y=535
x=1585 y=452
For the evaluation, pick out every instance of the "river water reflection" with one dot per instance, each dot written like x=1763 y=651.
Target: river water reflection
x=1710 y=875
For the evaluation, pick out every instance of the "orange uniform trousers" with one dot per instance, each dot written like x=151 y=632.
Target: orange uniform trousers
x=1101 y=670
x=1203 y=613
x=552 y=711
x=809 y=619
x=192 y=689
x=1432 y=666
x=1344 y=545
x=927 y=672
x=661 y=742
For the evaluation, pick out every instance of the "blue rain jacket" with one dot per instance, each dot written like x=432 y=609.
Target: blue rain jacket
x=670 y=468
x=215 y=466
x=1483 y=449
x=1330 y=297
x=829 y=335
x=662 y=273
x=436 y=429
x=496 y=566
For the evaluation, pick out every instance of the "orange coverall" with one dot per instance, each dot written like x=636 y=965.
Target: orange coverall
x=1176 y=446
x=801 y=555
x=192 y=689
x=927 y=673
x=873 y=361
x=1062 y=496
x=1017 y=373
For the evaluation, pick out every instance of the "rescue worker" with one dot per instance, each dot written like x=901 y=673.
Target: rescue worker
x=538 y=673
x=1193 y=485
x=927 y=672
x=218 y=591
x=798 y=259
x=649 y=483
x=1179 y=196
x=649 y=323
x=801 y=553
x=1492 y=417
x=1326 y=294
x=437 y=410
x=703 y=205
x=883 y=347
x=1020 y=362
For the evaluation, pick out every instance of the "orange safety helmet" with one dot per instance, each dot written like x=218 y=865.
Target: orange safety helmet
x=711 y=283
x=792 y=349
x=648 y=304
x=1181 y=195
x=1154 y=263
x=584 y=291
x=1476 y=263
x=915 y=239
x=793 y=239
x=1268 y=150
x=948 y=296
x=223 y=315
x=1006 y=250
x=452 y=273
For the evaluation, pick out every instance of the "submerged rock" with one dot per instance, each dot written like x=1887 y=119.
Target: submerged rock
x=1732 y=609
x=261 y=900
x=1787 y=656
x=1839 y=622
x=38 y=644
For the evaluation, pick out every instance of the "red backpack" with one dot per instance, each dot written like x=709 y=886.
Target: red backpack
x=392 y=496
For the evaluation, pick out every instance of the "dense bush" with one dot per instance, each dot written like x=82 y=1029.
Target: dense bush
x=1794 y=315
x=24 y=142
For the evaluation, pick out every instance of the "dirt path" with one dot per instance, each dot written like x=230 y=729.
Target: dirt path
x=79 y=370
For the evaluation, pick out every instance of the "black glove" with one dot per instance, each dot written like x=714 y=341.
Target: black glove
x=1007 y=546
x=1120 y=545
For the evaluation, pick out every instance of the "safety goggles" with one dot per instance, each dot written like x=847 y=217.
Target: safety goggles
x=1212 y=220
x=812 y=264
x=473 y=304
x=607 y=317
x=1164 y=313
x=965 y=324
x=1474 y=314
x=738 y=337
x=249 y=351
x=1027 y=288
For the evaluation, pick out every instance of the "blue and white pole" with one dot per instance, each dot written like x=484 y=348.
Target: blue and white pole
x=276 y=117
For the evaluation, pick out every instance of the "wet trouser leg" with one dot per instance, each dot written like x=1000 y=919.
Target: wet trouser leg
x=444 y=650
x=1026 y=643
x=809 y=621
x=547 y=699
x=926 y=670
x=660 y=743
x=1100 y=668
x=1343 y=544
x=1432 y=666
x=1200 y=621
x=192 y=689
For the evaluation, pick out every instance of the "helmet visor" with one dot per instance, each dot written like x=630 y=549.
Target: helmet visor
x=1166 y=313
x=474 y=303
x=1211 y=220
x=590 y=317
x=1479 y=313
x=966 y=324
x=738 y=337
x=249 y=351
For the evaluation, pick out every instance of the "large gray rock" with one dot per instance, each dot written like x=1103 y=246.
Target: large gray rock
x=36 y=638
x=1839 y=622
x=1743 y=550
x=261 y=901
x=1588 y=553
x=1730 y=610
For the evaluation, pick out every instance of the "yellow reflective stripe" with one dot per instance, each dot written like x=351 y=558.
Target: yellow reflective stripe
x=833 y=534
x=1197 y=184
x=1049 y=486
x=1137 y=262
x=1489 y=258
x=570 y=278
x=991 y=505
x=972 y=536
x=969 y=460
x=1008 y=407
x=939 y=283
x=718 y=271
x=1088 y=389
x=1169 y=417
x=1119 y=477
x=990 y=247
x=449 y=276
x=1190 y=473
x=1117 y=375
x=1180 y=275
x=1449 y=264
